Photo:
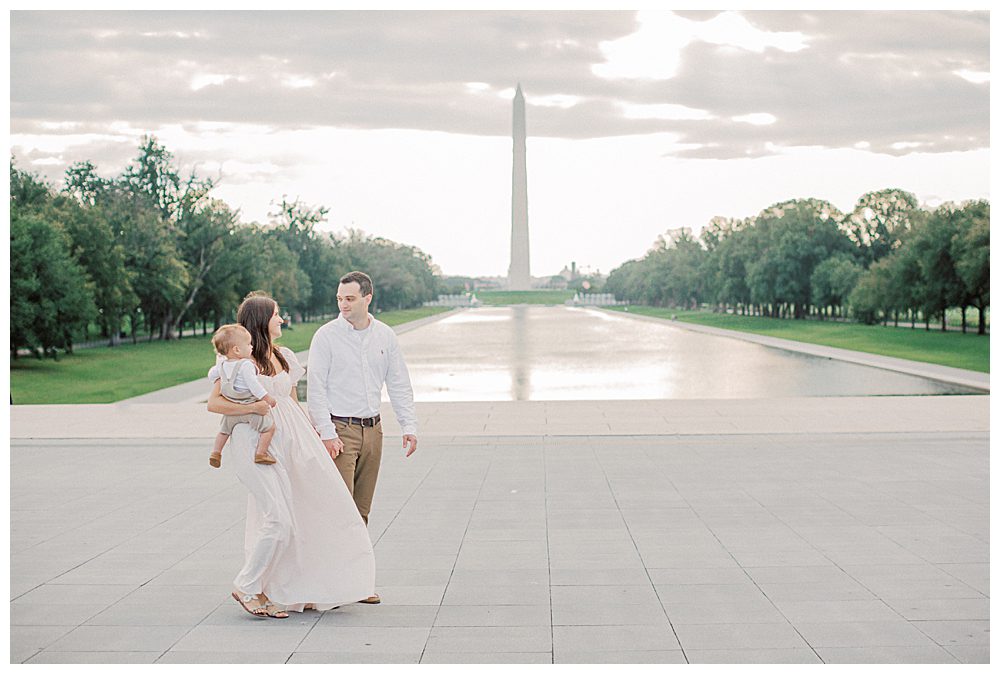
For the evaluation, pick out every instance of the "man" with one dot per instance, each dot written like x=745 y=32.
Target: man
x=350 y=359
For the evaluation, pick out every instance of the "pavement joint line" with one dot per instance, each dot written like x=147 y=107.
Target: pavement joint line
x=635 y=546
x=548 y=555
x=465 y=532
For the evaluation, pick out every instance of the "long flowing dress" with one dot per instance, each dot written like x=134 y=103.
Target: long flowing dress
x=305 y=541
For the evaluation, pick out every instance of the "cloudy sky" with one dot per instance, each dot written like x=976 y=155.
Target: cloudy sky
x=399 y=122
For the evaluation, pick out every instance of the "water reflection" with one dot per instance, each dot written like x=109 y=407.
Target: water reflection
x=563 y=353
x=520 y=355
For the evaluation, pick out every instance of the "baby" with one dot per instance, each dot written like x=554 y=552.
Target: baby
x=239 y=383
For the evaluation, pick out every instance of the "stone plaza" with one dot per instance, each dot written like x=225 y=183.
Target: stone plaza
x=840 y=529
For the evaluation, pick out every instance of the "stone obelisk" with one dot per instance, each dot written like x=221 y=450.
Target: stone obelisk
x=519 y=272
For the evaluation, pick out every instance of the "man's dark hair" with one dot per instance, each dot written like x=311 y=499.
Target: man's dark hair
x=362 y=279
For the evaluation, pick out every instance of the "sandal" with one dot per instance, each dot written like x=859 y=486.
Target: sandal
x=260 y=610
x=215 y=459
x=272 y=611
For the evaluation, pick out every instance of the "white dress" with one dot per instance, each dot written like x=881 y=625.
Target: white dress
x=305 y=541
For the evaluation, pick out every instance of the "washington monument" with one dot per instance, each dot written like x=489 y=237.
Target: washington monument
x=519 y=272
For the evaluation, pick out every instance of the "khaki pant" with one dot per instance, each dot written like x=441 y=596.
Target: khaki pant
x=359 y=462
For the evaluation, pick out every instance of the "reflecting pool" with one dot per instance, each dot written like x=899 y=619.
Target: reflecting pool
x=569 y=353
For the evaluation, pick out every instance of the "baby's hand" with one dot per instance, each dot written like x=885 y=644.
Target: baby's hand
x=270 y=400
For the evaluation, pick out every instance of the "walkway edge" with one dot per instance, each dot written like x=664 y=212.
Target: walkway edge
x=942 y=373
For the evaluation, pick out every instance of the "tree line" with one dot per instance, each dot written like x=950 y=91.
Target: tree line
x=149 y=251
x=888 y=259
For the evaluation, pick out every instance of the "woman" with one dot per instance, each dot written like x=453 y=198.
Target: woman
x=306 y=545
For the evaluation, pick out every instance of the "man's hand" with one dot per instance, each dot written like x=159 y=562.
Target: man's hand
x=410 y=440
x=335 y=446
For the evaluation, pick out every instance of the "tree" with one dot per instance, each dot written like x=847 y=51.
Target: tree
x=153 y=176
x=970 y=249
x=204 y=232
x=159 y=277
x=931 y=247
x=790 y=239
x=294 y=224
x=101 y=254
x=873 y=294
x=878 y=222
x=51 y=299
x=833 y=280
x=84 y=185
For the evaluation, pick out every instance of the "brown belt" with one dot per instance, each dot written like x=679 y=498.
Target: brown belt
x=359 y=421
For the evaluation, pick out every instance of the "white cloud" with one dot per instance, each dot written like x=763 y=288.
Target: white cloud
x=298 y=82
x=554 y=101
x=732 y=29
x=662 y=111
x=58 y=143
x=202 y=80
x=756 y=118
x=654 y=50
x=974 y=76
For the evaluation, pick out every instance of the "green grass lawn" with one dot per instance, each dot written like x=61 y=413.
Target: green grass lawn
x=969 y=351
x=105 y=375
x=502 y=297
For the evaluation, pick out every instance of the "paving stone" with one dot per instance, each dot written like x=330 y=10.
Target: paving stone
x=119 y=638
x=95 y=657
x=668 y=657
x=28 y=640
x=887 y=655
x=443 y=657
x=379 y=641
x=634 y=576
x=382 y=615
x=498 y=639
x=350 y=658
x=493 y=616
x=863 y=634
x=941 y=609
x=724 y=576
x=734 y=611
x=836 y=610
x=977 y=654
x=753 y=656
x=576 y=595
x=603 y=638
x=956 y=632
x=474 y=594
x=739 y=636
x=608 y=614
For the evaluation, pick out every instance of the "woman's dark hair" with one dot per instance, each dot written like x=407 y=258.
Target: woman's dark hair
x=254 y=314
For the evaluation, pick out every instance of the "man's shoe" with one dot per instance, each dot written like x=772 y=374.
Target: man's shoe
x=374 y=599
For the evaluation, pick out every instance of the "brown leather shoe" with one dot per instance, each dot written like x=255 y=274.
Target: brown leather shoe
x=374 y=599
x=215 y=460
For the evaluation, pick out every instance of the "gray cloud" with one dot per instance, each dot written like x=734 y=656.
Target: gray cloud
x=854 y=83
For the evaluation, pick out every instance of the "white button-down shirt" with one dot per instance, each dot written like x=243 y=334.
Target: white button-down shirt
x=347 y=369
